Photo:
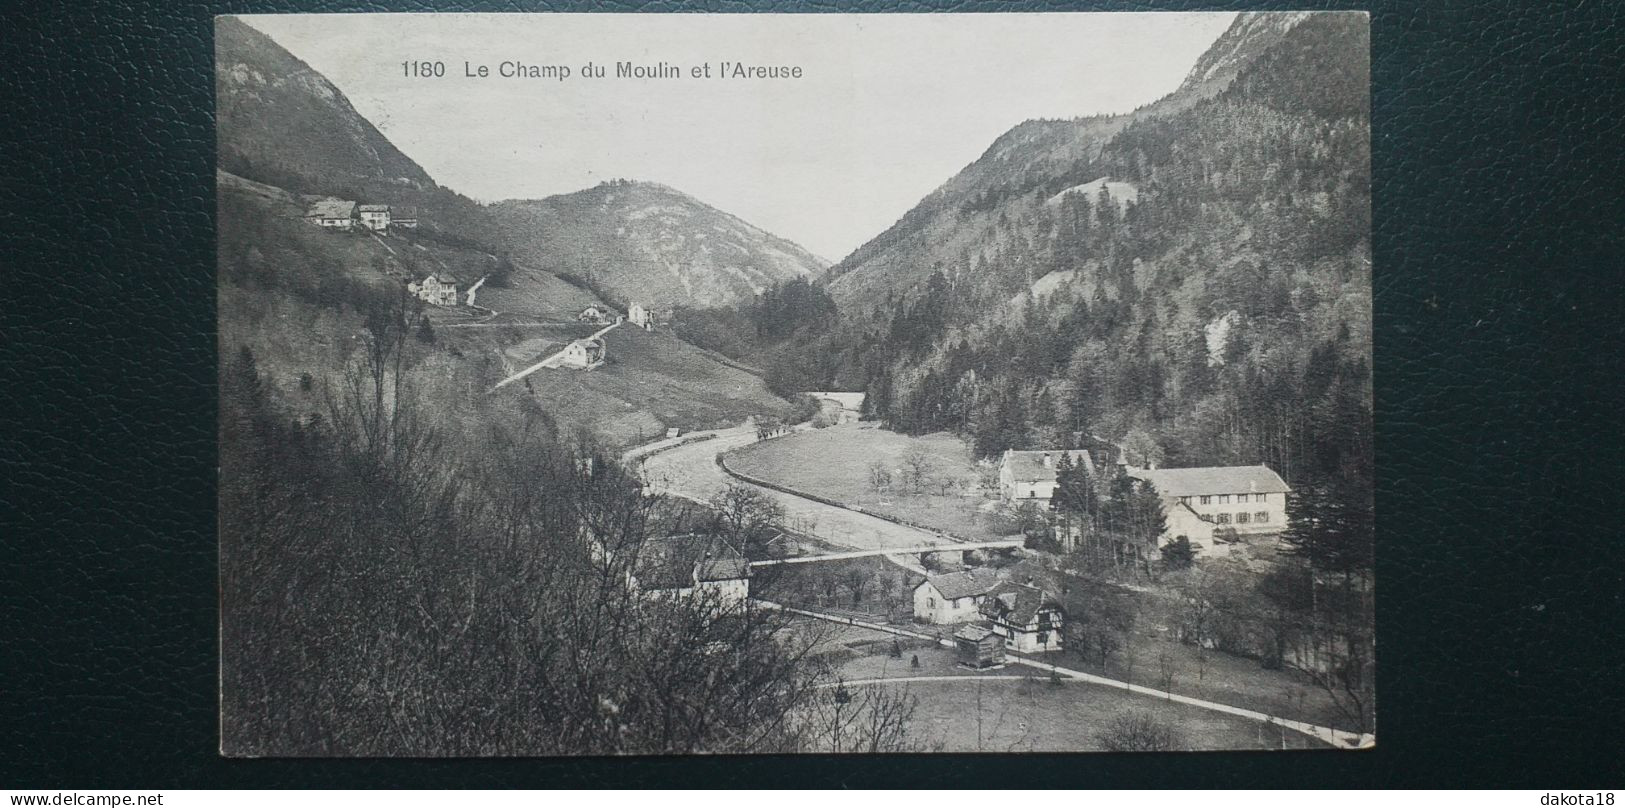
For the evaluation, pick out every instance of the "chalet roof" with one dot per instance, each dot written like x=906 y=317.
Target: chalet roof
x=722 y=569
x=403 y=212
x=975 y=632
x=676 y=562
x=1214 y=480
x=1029 y=467
x=1015 y=604
x=373 y=208
x=965 y=584
x=331 y=209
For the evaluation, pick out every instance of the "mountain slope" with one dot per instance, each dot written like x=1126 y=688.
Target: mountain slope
x=278 y=119
x=301 y=298
x=647 y=242
x=1213 y=298
x=992 y=204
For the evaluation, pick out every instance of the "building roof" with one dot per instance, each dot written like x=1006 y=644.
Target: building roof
x=1029 y=467
x=965 y=584
x=975 y=632
x=403 y=212
x=373 y=208
x=1214 y=480
x=590 y=346
x=1016 y=604
x=330 y=209
x=676 y=562
x=722 y=569
x=848 y=401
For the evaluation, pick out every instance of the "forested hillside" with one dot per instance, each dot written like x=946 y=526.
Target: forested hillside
x=1219 y=316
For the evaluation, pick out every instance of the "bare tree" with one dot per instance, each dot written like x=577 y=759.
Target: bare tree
x=870 y=718
x=745 y=514
x=1139 y=731
x=917 y=468
x=1165 y=672
x=879 y=477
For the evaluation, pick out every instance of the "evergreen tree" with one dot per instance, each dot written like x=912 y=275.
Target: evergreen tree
x=1178 y=554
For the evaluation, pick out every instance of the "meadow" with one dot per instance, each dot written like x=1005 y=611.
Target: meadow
x=834 y=463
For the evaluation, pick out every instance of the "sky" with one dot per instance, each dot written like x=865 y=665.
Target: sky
x=889 y=106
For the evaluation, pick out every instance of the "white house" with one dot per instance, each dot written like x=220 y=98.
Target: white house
x=1026 y=617
x=595 y=314
x=435 y=290
x=645 y=317
x=1250 y=500
x=334 y=213
x=583 y=354
x=688 y=566
x=1030 y=476
x=954 y=597
x=374 y=217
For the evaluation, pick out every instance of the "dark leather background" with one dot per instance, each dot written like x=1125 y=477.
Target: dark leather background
x=1499 y=222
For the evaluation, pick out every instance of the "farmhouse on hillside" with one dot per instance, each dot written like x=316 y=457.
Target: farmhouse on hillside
x=1200 y=502
x=954 y=597
x=597 y=315
x=583 y=354
x=435 y=290
x=1030 y=476
x=646 y=317
x=686 y=566
x=374 y=217
x=1026 y=617
x=335 y=213
x=403 y=216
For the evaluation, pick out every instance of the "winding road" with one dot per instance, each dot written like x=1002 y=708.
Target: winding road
x=690 y=471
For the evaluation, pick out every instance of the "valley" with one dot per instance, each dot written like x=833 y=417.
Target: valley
x=503 y=478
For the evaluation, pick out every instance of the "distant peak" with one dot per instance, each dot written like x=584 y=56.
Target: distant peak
x=1249 y=35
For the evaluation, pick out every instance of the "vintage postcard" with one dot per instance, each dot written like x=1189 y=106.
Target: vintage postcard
x=831 y=383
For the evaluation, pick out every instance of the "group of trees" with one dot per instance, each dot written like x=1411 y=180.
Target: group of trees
x=392 y=588
x=915 y=473
x=1109 y=521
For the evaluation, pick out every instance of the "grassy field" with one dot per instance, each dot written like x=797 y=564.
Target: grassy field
x=834 y=463
x=1018 y=712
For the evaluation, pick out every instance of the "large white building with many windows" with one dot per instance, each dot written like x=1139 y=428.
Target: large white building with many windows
x=1199 y=501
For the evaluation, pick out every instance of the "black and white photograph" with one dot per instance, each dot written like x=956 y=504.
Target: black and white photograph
x=653 y=384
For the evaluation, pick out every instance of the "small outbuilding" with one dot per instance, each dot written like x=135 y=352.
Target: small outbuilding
x=977 y=646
